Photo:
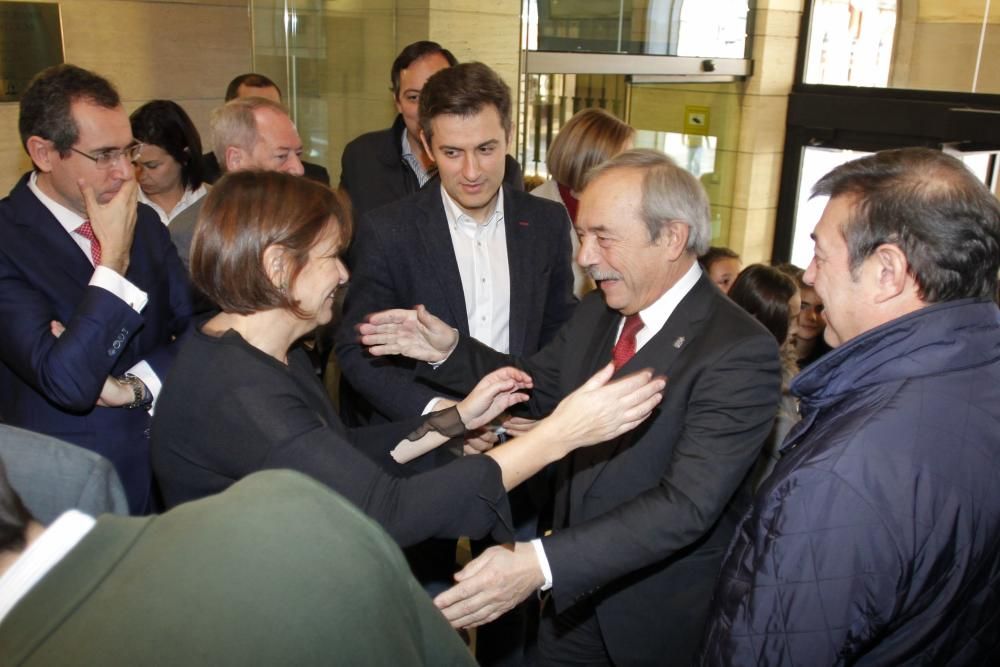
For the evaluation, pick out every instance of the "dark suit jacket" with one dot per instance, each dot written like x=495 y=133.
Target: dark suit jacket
x=50 y=384
x=373 y=172
x=278 y=570
x=641 y=522
x=314 y=172
x=403 y=256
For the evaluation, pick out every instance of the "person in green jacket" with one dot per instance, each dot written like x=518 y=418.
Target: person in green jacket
x=276 y=570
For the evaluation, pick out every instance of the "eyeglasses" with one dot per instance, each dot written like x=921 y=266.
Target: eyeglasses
x=106 y=159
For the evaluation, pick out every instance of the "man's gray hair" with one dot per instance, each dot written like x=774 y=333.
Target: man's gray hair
x=668 y=193
x=234 y=124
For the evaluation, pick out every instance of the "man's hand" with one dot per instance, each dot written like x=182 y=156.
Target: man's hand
x=491 y=585
x=479 y=441
x=412 y=333
x=493 y=396
x=114 y=394
x=113 y=223
x=515 y=426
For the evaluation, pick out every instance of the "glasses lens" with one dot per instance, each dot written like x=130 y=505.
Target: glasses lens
x=133 y=152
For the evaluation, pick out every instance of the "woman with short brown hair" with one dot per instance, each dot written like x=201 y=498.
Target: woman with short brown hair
x=242 y=397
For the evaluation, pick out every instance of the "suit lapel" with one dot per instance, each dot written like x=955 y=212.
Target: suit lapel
x=522 y=265
x=432 y=228
x=659 y=353
x=48 y=237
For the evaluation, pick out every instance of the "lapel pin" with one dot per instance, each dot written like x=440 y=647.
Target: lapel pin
x=523 y=223
x=678 y=342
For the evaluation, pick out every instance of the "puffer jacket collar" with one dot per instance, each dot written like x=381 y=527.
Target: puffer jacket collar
x=937 y=339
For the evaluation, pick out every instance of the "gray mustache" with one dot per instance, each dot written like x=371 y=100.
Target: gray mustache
x=596 y=274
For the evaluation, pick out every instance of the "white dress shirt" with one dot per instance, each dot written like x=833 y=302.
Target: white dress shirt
x=653 y=318
x=481 y=254
x=102 y=277
x=41 y=556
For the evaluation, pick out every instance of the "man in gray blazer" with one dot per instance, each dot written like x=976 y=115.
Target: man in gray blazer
x=53 y=476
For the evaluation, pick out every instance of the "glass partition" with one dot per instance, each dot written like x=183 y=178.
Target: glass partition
x=708 y=28
x=914 y=44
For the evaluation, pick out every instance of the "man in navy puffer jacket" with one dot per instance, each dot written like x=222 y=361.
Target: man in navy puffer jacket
x=876 y=540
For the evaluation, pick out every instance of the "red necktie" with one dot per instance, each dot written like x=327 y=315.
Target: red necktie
x=87 y=232
x=625 y=347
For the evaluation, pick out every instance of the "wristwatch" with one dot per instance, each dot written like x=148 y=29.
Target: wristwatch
x=141 y=397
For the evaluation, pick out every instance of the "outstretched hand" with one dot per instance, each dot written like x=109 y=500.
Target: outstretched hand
x=411 y=333
x=493 y=396
x=602 y=409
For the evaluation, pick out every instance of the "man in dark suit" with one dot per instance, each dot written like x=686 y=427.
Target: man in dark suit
x=258 y=85
x=381 y=167
x=92 y=292
x=640 y=522
x=492 y=261
x=277 y=570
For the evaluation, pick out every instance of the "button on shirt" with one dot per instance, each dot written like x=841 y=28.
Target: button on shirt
x=481 y=253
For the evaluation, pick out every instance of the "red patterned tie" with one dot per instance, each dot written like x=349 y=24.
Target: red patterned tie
x=625 y=347
x=87 y=232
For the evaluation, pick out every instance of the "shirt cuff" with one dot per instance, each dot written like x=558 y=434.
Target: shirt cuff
x=543 y=563
x=115 y=283
x=144 y=372
x=429 y=408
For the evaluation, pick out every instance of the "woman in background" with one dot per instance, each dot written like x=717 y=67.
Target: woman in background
x=587 y=139
x=722 y=266
x=773 y=299
x=242 y=397
x=170 y=174
x=809 y=342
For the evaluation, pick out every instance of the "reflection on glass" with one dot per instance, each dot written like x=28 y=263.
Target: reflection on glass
x=850 y=42
x=709 y=28
x=694 y=152
x=552 y=100
x=940 y=45
x=816 y=162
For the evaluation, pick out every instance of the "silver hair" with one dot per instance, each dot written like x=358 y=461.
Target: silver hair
x=235 y=124
x=668 y=193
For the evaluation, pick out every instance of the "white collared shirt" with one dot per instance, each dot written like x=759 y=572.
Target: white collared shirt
x=103 y=277
x=41 y=556
x=189 y=197
x=481 y=253
x=653 y=317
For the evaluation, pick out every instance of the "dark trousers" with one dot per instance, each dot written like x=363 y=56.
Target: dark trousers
x=570 y=638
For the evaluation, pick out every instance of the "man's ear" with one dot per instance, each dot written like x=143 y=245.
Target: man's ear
x=274 y=266
x=426 y=145
x=235 y=158
x=892 y=272
x=42 y=152
x=674 y=238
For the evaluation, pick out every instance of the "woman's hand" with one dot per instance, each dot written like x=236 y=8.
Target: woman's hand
x=601 y=410
x=494 y=394
x=411 y=333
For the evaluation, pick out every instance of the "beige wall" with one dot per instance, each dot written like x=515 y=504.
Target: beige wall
x=150 y=49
